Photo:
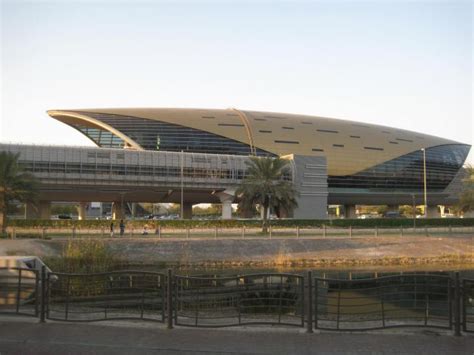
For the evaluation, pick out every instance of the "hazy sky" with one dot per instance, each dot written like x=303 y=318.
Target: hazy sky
x=404 y=64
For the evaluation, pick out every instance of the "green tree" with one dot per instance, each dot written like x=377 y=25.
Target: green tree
x=15 y=185
x=466 y=200
x=266 y=185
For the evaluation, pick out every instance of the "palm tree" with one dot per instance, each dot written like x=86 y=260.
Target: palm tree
x=265 y=185
x=15 y=185
x=466 y=201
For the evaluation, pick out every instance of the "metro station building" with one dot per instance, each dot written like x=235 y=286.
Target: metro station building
x=366 y=164
x=333 y=161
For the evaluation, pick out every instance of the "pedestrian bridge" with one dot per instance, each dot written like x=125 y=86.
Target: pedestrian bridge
x=83 y=174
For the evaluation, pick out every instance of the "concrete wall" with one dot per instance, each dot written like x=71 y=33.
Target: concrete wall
x=310 y=179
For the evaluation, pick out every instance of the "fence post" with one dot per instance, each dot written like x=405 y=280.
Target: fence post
x=43 y=233
x=18 y=292
x=188 y=232
x=270 y=230
x=43 y=295
x=169 y=300
x=449 y=230
x=309 y=304
x=215 y=233
x=297 y=231
x=159 y=232
x=376 y=231
x=324 y=230
x=73 y=232
x=243 y=232
x=457 y=305
x=401 y=231
x=350 y=231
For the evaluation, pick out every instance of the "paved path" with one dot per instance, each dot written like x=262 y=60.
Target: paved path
x=20 y=337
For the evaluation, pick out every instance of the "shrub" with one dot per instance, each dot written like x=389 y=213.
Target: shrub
x=289 y=223
x=84 y=256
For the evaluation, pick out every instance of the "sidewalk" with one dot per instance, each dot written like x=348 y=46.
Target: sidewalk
x=30 y=337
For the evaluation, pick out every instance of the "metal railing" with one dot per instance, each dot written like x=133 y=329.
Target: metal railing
x=468 y=305
x=408 y=300
x=244 y=232
x=386 y=302
x=247 y=299
x=106 y=296
x=19 y=291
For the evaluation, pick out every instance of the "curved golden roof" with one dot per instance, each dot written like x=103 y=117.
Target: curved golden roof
x=350 y=147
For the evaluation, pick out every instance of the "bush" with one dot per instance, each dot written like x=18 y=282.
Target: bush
x=84 y=256
x=289 y=223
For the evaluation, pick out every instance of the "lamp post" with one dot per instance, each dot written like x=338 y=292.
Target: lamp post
x=424 y=183
x=182 y=185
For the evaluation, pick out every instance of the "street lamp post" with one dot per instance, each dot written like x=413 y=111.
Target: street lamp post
x=424 y=183
x=182 y=184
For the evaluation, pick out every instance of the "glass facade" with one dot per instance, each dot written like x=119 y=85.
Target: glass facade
x=406 y=172
x=102 y=137
x=163 y=136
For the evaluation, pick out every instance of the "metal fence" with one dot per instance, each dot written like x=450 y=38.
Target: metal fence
x=384 y=302
x=248 y=299
x=19 y=291
x=468 y=305
x=244 y=232
x=106 y=296
x=408 y=300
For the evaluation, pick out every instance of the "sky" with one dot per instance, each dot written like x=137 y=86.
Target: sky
x=404 y=64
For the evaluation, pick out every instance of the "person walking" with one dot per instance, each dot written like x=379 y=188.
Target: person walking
x=122 y=228
x=112 y=229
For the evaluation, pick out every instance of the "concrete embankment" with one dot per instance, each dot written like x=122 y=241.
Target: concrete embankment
x=265 y=252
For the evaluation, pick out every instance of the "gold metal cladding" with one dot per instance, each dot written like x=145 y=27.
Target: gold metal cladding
x=283 y=134
x=77 y=118
x=248 y=128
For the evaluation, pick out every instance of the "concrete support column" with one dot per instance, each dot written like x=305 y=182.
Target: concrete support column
x=227 y=210
x=393 y=208
x=226 y=198
x=442 y=210
x=45 y=209
x=432 y=212
x=117 y=212
x=350 y=211
x=134 y=209
x=187 y=210
x=81 y=211
x=261 y=213
x=31 y=211
x=101 y=209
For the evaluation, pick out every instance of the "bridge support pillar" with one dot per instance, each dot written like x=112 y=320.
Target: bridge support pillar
x=432 y=212
x=187 y=210
x=350 y=211
x=42 y=210
x=31 y=211
x=117 y=210
x=393 y=208
x=45 y=209
x=81 y=211
x=226 y=199
x=134 y=209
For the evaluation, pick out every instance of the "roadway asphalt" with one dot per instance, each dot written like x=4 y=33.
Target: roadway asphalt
x=30 y=337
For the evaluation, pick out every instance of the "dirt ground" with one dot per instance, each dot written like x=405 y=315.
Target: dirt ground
x=283 y=251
